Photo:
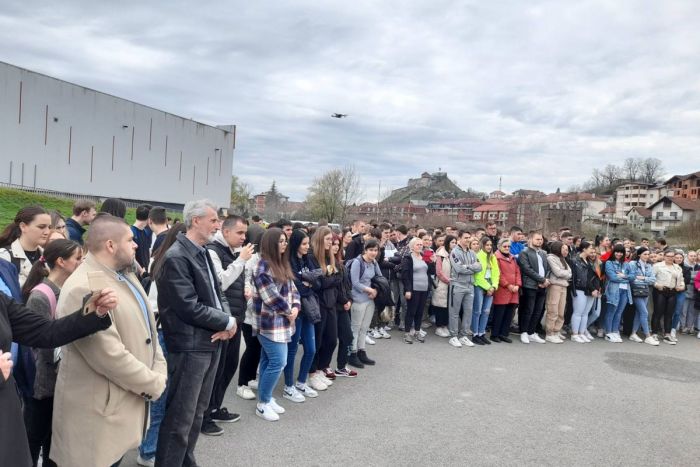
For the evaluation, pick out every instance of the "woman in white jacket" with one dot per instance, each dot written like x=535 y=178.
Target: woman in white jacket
x=559 y=278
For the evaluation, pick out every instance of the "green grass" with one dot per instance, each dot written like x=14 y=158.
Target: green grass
x=12 y=201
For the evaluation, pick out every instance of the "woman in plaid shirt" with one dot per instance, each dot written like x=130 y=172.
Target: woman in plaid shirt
x=277 y=304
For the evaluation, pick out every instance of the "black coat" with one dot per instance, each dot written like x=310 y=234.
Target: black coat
x=529 y=269
x=355 y=248
x=186 y=300
x=21 y=325
x=407 y=273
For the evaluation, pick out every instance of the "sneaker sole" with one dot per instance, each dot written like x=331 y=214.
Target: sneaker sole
x=266 y=419
x=218 y=433
x=215 y=420
x=289 y=398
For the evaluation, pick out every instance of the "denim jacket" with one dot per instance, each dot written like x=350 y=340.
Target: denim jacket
x=612 y=289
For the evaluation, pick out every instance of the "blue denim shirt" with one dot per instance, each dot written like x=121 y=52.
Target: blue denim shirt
x=612 y=289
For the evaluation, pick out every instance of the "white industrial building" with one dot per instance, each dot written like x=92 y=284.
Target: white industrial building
x=65 y=138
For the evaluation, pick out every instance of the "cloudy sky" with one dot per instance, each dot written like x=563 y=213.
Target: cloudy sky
x=538 y=92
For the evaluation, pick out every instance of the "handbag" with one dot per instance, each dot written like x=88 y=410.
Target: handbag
x=640 y=290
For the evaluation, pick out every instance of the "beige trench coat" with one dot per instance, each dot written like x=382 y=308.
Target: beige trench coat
x=105 y=380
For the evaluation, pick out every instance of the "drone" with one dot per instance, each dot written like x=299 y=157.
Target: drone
x=336 y=115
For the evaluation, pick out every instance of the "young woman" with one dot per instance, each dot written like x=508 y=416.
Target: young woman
x=342 y=308
x=416 y=282
x=362 y=270
x=21 y=242
x=679 y=259
x=507 y=295
x=485 y=284
x=41 y=290
x=584 y=292
x=617 y=292
x=643 y=274
x=277 y=305
x=58 y=225
x=604 y=247
x=669 y=281
x=327 y=328
x=114 y=206
x=689 y=313
x=559 y=277
x=347 y=238
x=305 y=332
x=598 y=285
x=442 y=284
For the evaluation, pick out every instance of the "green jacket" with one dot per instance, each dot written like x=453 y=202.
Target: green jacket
x=480 y=279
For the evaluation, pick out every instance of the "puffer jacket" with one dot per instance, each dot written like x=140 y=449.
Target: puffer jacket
x=558 y=275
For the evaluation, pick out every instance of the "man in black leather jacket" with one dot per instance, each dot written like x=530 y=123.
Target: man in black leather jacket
x=195 y=317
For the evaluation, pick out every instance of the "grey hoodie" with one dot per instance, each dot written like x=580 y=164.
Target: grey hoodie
x=463 y=267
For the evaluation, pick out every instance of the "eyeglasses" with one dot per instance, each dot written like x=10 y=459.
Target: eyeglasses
x=505 y=246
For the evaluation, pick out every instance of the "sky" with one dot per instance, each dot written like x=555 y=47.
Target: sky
x=538 y=92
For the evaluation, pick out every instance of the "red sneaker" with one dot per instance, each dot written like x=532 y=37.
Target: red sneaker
x=346 y=372
x=329 y=373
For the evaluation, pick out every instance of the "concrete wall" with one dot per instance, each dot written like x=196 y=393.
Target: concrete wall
x=63 y=137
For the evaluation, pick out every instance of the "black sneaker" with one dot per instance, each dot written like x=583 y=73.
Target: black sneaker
x=506 y=339
x=485 y=340
x=362 y=355
x=223 y=416
x=477 y=340
x=495 y=339
x=353 y=360
x=210 y=428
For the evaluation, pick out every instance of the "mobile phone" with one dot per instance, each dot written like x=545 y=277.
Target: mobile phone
x=97 y=281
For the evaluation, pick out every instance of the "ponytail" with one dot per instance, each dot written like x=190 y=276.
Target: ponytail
x=40 y=270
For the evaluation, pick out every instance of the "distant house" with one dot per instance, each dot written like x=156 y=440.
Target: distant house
x=498 y=194
x=685 y=186
x=492 y=212
x=639 y=218
x=637 y=194
x=460 y=209
x=669 y=212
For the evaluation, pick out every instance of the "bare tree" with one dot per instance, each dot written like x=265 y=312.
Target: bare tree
x=350 y=188
x=651 y=170
x=331 y=194
x=631 y=168
x=611 y=175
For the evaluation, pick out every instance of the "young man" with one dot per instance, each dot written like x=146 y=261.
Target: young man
x=464 y=265
x=142 y=235
x=229 y=257
x=492 y=233
x=516 y=241
x=534 y=270
x=158 y=223
x=401 y=245
x=356 y=246
x=83 y=213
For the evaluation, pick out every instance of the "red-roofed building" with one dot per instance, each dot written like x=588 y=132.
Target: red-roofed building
x=492 y=212
x=669 y=212
x=457 y=210
x=685 y=186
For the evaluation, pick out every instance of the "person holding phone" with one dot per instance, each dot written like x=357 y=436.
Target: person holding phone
x=106 y=381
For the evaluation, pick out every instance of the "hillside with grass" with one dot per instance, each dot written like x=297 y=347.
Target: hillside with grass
x=12 y=201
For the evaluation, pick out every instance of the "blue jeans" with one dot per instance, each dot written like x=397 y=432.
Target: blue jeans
x=613 y=314
x=147 y=450
x=582 y=306
x=595 y=311
x=480 y=311
x=642 y=315
x=273 y=358
x=305 y=332
x=680 y=300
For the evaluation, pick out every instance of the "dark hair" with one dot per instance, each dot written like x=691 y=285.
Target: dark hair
x=584 y=244
x=339 y=255
x=158 y=215
x=490 y=223
x=256 y=218
x=25 y=215
x=55 y=217
x=142 y=211
x=661 y=241
x=515 y=228
x=114 y=206
x=59 y=248
x=168 y=241
x=376 y=233
x=297 y=226
x=618 y=248
x=448 y=240
x=566 y=234
x=231 y=221
x=461 y=233
x=280 y=268
x=283 y=223
x=555 y=249
x=295 y=240
x=384 y=226
x=82 y=205
x=482 y=243
x=402 y=228
x=371 y=243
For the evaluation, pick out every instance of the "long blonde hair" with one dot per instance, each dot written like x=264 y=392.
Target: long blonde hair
x=323 y=256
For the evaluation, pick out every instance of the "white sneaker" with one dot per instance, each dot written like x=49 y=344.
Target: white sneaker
x=635 y=338
x=275 y=406
x=305 y=390
x=698 y=335
x=291 y=393
x=465 y=341
x=673 y=333
x=651 y=341
x=610 y=337
x=327 y=381
x=554 y=339
x=384 y=334
x=422 y=333
x=316 y=383
x=454 y=342
x=253 y=384
x=143 y=462
x=375 y=334
x=524 y=339
x=387 y=328
x=536 y=338
x=266 y=412
x=369 y=340
x=577 y=338
x=588 y=335
x=244 y=392
x=562 y=336
x=618 y=338
x=442 y=332
x=585 y=339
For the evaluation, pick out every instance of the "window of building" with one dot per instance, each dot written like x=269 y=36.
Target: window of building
x=659 y=214
x=674 y=215
x=667 y=204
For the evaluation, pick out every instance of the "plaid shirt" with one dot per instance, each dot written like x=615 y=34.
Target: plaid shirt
x=273 y=303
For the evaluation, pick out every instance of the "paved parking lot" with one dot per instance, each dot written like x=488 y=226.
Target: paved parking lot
x=576 y=404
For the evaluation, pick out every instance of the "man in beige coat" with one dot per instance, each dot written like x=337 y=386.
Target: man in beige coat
x=105 y=381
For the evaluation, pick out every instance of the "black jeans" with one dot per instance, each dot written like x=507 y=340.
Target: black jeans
x=190 y=382
x=319 y=330
x=344 y=338
x=664 y=306
x=38 y=414
x=228 y=364
x=502 y=316
x=531 y=309
x=251 y=357
x=326 y=343
x=414 y=312
x=441 y=316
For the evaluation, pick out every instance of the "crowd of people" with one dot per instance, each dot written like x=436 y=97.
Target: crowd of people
x=130 y=336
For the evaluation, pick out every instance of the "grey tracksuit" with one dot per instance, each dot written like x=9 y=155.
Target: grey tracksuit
x=461 y=290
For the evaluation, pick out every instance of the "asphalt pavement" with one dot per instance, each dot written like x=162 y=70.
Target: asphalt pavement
x=503 y=404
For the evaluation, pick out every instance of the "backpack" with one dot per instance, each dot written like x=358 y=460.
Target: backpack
x=363 y=267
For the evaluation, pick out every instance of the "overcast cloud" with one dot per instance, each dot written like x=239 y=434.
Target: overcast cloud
x=538 y=92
